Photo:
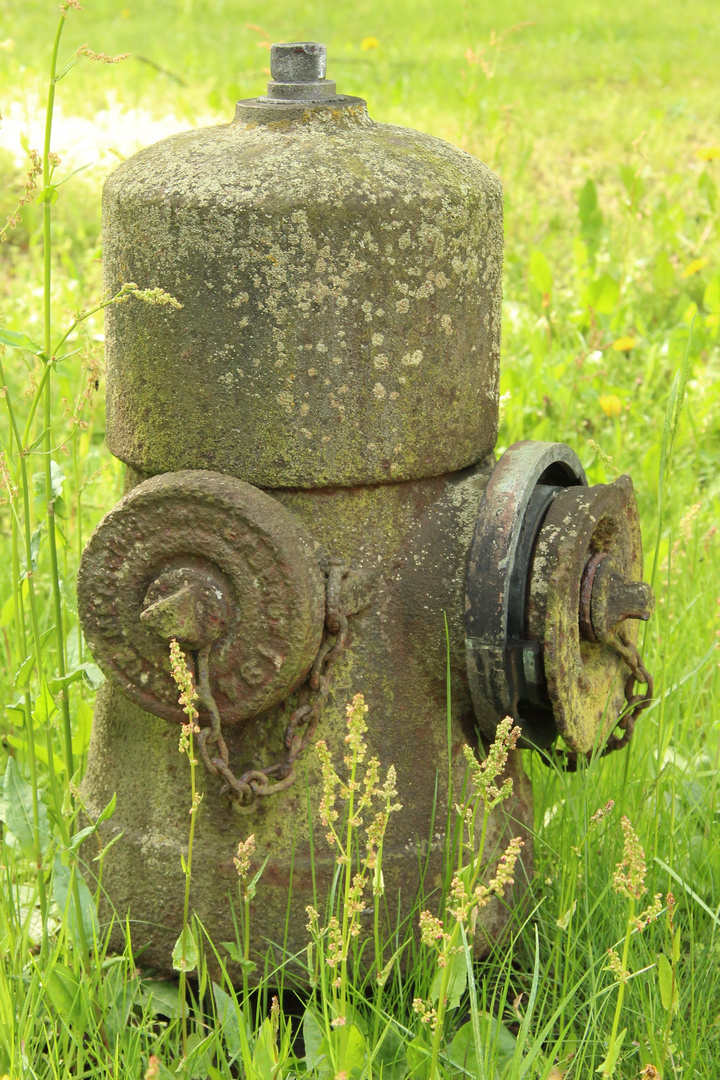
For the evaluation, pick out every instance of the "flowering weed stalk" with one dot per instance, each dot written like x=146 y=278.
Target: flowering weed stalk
x=359 y=848
x=247 y=889
x=629 y=881
x=185 y=953
x=468 y=895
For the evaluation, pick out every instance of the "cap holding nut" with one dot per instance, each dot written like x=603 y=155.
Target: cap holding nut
x=298 y=72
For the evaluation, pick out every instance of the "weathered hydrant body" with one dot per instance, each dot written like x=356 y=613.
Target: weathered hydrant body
x=311 y=491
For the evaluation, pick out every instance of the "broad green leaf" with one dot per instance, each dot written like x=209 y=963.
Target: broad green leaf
x=350 y=1049
x=198 y=1056
x=234 y=950
x=72 y=646
x=108 y=812
x=663 y=272
x=588 y=204
x=457 y=981
x=119 y=993
x=227 y=1018
x=22 y=678
x=44 y=707
x=34 y=550
x=588 y=211
x=676 y=947
x=62 y=882
x=17 y=794
x=711 y=296
x=602 y=295
x=708 y=187
x=93 y=675
x=633 y=183
x=252 y=887
x=19 y=341
x=265 y=1052
x=83 y=722
x=24 y=672
x=312 y=1038
x=7 y=612
x=40 y=752
x=497 y=1042
x=607 y=1067
x=163 y=998
x=668 y=991
x=185 y=953
x=80 y=837
x=90 y=672
x=49 y=194
x=591 y=217
x=540 y=272
x=66 y=997
x=56 y=685
x=57 y=476
x=418 y=1056
x=390 y=1056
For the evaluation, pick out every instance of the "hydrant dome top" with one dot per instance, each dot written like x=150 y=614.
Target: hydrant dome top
x=340 y=283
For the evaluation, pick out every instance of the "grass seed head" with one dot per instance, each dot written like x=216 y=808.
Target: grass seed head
x=427 y=1013
x=485 y=773
x=614 y=965
x=629 y=876
x=356 y=712
x=155 y=297
x=153 y=1069
x=506 y=867
x=100 y=57
x=650 y=914
x=245 y=852
x=602 y=812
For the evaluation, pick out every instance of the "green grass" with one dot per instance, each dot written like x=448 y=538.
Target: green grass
x=603 y=121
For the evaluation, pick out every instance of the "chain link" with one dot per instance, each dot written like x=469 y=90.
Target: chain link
x=634 y=706
x=260 y=783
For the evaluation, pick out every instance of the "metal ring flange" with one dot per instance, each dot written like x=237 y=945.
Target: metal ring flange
x=504 y=667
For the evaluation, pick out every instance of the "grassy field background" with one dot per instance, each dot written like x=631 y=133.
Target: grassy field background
x=603 y=122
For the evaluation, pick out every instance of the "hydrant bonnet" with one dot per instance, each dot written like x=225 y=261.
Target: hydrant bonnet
x=341 y=288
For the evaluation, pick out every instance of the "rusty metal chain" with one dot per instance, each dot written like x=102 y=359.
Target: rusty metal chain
x=567 y=760
x=257 y=783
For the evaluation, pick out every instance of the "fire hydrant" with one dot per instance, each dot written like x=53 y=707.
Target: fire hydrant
x=311 y=492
